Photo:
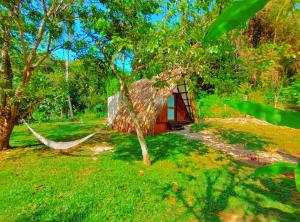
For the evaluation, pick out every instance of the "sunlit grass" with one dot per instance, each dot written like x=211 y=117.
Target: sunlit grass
x=259 y=137
x=187 y=181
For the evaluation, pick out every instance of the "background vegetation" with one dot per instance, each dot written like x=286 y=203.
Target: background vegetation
x=259 y=62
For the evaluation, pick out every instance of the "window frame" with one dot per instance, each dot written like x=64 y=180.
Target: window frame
x=171 y=108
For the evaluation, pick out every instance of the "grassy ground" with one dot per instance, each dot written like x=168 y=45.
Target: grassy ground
x=187 y=181
x=257 y=137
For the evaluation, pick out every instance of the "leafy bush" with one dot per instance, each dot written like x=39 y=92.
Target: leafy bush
x=268 y=113
x=292 y=93
x=214 y=106
x=280 y=168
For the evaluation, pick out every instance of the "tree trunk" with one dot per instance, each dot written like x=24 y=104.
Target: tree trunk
x=6 y=86
x=140 y=136
x=194 y=109
x=71 y=115
x=6 y=127
x=276 y=97
x=246 y=98
x=125 y=99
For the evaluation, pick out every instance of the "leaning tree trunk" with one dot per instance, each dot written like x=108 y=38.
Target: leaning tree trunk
x=125 y=99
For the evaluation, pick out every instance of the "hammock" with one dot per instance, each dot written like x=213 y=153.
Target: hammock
x=57 y=145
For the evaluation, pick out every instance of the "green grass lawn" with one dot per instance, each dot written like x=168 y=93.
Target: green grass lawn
x=187 y=181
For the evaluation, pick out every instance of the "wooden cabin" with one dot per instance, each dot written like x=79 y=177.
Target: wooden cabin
x=176 y=111
x=159 y=109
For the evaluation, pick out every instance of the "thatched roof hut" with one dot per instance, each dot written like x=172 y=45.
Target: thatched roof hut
x=148 y=100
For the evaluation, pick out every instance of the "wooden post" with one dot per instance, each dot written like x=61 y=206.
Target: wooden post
x=194 y=109
x=246 y=98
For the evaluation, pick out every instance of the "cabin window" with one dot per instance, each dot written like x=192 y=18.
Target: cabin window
x=171 y=108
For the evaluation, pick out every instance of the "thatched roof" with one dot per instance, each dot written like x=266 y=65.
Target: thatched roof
x=148 y=101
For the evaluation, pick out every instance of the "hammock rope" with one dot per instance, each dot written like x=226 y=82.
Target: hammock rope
x=57 y=145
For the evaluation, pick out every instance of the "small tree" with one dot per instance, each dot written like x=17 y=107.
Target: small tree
x=115 y=27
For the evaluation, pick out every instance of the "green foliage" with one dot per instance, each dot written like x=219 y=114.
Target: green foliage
x=232 y=17
x=268 y=113
x=55 y=101
x=88 y=85
x=275 y=169
x=48 y=91
x=297 y=176
x=280 y=168
x=33 y=34
x=292 y=92
x=245 y=88
x=214 y=106
x=112 y=86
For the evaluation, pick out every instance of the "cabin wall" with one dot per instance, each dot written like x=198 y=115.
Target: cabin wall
x=163 y=117
x=161 y=124
x=113 y=107
x=182 y=114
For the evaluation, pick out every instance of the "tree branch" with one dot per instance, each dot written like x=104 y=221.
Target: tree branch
x=21 y=31
x=59 y=5
x=115 y=70
x=44 y=6
x=41 y=31
x=112 y=64
x=47 y=53
x=42 y=59
x=31 y=108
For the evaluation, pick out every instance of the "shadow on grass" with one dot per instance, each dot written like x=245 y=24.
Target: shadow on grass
x=161 y=147
x=76 y=214
x=249 y=141
x=222 y=185
x=279 y=192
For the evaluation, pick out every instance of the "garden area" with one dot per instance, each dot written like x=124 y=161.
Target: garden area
x=134 y=110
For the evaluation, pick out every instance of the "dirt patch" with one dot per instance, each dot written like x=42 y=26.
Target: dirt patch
x=101 y=147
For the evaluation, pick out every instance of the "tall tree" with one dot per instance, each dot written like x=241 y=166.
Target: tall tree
x=29 y=32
